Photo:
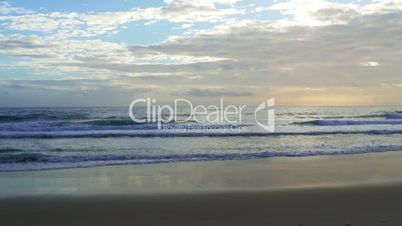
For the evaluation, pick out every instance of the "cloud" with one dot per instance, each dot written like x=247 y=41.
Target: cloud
x=318 y=49
x=66 y=55
x=216 y=93
x=6 y=8
x=200 y=3
x=329 y=55
x=321 y=12
x=255 y=52
x=81 y=92
x=370 y=64
x=89 y=24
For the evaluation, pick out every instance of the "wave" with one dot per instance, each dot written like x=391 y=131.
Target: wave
x=19 y=158
x=348 y=122
x=72 y=126
x=167 y=134
x=10 y=150
x=393 y=116
x=41 y=116
x=345 y=117
x=78 y=118
x=56 y=127
x=35 y=161
x=11 y=118
x=44 y=126
x=108 y=122
x=378 y=114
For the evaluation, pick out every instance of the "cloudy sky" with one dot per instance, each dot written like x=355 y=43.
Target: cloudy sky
x=107 y=53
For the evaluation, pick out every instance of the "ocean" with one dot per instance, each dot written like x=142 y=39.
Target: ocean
x=55 y=138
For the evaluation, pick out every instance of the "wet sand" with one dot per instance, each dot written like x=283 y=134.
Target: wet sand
x=364 y=205
x=338 y=190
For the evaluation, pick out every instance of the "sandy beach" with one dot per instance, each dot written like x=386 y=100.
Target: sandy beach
x=364 y=206
x=338 y=190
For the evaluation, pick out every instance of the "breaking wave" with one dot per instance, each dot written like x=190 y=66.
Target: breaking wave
x=35 y=161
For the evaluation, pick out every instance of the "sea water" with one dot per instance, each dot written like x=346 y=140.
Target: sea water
x=54 y=138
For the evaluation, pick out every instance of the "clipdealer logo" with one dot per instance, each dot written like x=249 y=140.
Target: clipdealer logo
x=264 y=113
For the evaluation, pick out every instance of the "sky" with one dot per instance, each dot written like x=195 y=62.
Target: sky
x=108 y=53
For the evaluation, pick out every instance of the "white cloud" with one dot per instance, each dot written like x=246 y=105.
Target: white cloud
x=200 y=3
x=370 y=64
x=6 y=8
x=96 y=23
x=321 y=12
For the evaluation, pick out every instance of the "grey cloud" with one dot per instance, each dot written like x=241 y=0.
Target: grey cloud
x=201 y=68
x=13 y=43
x=216 y=93
x=25 y=93
x=66 y=85
x=325 y=55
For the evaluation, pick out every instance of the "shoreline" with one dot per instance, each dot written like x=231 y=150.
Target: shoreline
x=208 y=176
x=315 y=191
